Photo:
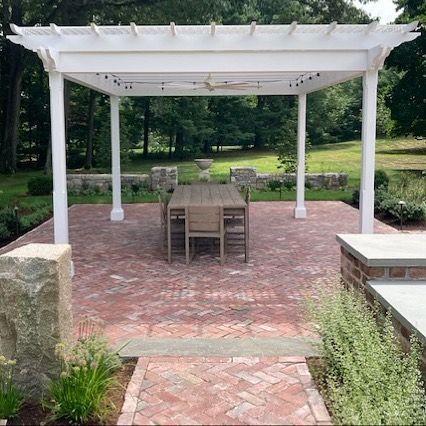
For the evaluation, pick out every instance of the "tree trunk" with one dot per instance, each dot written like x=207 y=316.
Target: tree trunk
x=12 y=67
x=179 y=144
x=171 y=137
x=48 y=163
x=146 y=118
x=90 y=129
x=258 y=137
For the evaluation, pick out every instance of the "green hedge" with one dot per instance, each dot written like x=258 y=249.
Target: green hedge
x=369 y=380
x=29 y=216
x=40 y=185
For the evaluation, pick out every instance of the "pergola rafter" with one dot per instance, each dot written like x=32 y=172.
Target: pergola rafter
x=212 y=60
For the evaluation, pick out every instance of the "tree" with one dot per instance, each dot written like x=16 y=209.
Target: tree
x=407 y=100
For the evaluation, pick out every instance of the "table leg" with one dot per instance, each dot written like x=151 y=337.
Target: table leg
x=169 y=237
x=246 y=233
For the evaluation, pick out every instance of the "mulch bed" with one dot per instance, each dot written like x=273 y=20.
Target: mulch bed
x=34 y=414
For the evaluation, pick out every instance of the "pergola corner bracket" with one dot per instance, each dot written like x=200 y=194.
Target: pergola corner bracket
x=49 y=58
x=376 y=56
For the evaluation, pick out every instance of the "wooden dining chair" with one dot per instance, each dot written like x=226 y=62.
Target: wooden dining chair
x=204 y=222
x=237 y=227
x=177 y=224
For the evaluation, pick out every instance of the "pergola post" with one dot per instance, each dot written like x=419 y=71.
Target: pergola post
x=300 y=210
x=59 y=167
x=117 y=212
x=369 y=106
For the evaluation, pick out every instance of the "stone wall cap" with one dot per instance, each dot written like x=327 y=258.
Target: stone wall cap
x=38 y=250
x=406 y=299
x=385 y=250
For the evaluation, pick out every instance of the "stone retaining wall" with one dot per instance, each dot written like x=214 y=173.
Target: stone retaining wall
x=160 y=178
x=248 y=176
x=164 y=178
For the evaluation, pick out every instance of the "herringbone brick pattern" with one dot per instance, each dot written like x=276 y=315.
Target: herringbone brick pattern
x=122 y=275
x=274 y=390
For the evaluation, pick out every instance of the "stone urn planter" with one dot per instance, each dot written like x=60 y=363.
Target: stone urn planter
x=204 y=166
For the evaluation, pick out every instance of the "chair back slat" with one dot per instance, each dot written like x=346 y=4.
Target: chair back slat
x=204 y=219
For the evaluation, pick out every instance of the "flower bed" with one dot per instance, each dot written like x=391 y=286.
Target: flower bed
x=364 y=375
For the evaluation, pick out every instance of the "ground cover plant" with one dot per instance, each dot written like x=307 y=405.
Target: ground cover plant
x=11 y=398
x=367 y=378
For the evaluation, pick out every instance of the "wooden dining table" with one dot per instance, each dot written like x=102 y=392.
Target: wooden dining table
x=226 y=196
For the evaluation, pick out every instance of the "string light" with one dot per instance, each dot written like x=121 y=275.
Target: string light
x=292 y=82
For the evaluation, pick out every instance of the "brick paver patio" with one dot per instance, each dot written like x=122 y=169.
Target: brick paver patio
x=122 y=276
x=221 y=391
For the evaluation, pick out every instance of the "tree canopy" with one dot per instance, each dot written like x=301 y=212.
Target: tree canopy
x=190 y=125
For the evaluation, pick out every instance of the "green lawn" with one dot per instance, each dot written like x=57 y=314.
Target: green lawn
x=392 y=155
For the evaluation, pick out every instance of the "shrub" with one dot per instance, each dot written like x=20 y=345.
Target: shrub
x=381 y=179
x=369 y=379
x=40 y=185
x=8 y=223
x=78 y=395
x=273 y=185
x=11 y=398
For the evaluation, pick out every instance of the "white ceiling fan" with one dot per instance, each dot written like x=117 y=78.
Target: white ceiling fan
x=211 y=85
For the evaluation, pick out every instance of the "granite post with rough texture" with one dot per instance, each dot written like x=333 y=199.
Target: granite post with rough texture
x=35 y=311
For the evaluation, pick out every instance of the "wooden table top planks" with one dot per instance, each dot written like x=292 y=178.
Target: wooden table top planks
x=226 y=196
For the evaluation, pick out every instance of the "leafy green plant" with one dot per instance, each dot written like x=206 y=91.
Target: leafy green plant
x=369 y=379
x=40 y=185
x=273 y=185
x=381 y=183
x=381 y=179
x=78 y=395
x=8 y=223
x=11 y=398
x=409 y=188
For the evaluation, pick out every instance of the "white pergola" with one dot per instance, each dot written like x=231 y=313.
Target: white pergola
x=211 y=60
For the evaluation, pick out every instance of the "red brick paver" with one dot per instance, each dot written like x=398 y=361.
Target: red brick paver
x=122 y=275
x=273 y=390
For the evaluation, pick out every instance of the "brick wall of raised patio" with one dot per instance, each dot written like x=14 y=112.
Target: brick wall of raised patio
x=248 y=176
x=355 y=273
x=391 y=270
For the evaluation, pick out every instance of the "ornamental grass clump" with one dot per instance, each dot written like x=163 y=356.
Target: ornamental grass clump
x=11 y=398
x=79 y=394
x=369 y=379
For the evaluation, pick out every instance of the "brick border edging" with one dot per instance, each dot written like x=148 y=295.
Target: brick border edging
x=134 y=387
